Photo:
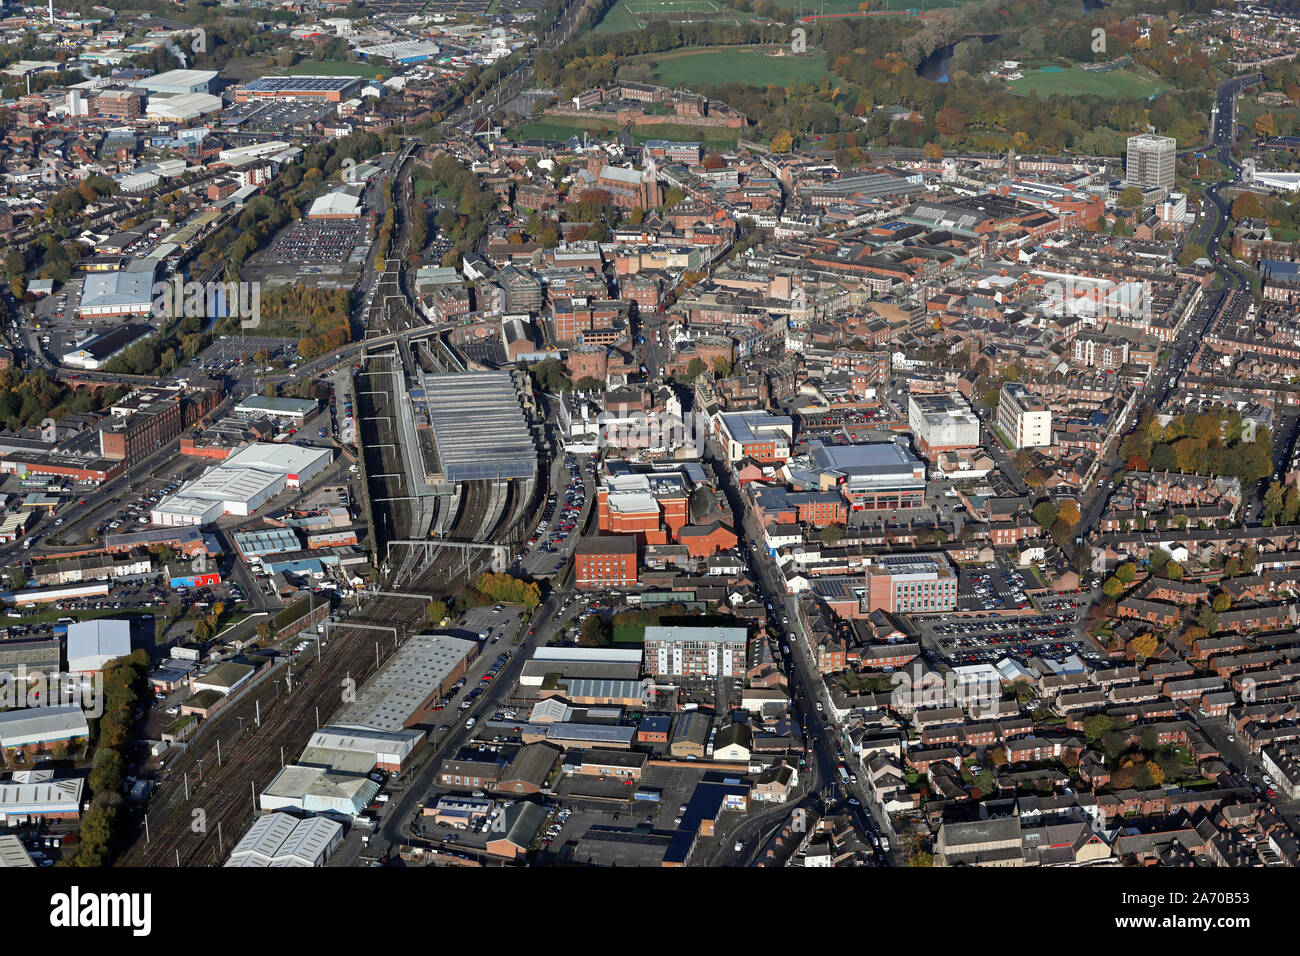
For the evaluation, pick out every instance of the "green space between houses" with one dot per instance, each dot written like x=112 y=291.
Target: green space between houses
x=628 y=634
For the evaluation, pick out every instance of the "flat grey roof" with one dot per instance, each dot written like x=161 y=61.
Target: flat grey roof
x=479 y=427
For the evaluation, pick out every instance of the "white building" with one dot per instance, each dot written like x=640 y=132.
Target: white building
x=1027 y=421
x=942 y=423
x=42 y=726
x=316 y=790
x=92 y=644
x=278 y=839
x=30 y=795
x=241 y=484
x=182 y=108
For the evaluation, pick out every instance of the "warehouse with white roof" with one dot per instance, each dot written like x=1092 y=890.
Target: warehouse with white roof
x=42 y=727
x=241 y=484
x=92 y=644
x=343 y=203
x=352 y=750
x=319 y=790
x=31 y=795
x=400 y=694
x=174 y=82
x=278 y=839
x=184 y=108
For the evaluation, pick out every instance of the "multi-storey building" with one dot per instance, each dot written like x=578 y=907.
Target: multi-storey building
x=755 y=434
x=1150 y=160
x=605 y=561
x=688 y=651
x=1027 y=421
x=942 y=423
x=922 y=583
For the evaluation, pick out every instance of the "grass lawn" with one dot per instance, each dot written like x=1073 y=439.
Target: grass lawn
x=627 y=15
x=815 y=7
x=712 y=66
x=628 y=634
x=1078 y=82
x=338 y=68
x=708 y=136
x=552 y=129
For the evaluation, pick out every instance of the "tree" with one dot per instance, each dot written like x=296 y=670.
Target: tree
x=782 y=141
x=1126 y=572
x=435 y=612
x=932 y=151
x=1045 y=514
x=1274 y=503
x=1131 y=198
x=832 y=534
x=1173 y=571
x=1221 y=602
x=1247 y=206
x=596 y=632
x=1208 y=620
x=1069 y=513
x=1094 y=726
x=1112 y=588
x=106 y=771
x=1144 y=646
x=950 y=121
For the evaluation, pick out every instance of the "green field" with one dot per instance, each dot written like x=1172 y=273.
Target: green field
x=1077 y=82
x=711 y=66
x=338 y=68
x=817 y=7
x=632 y=14
x=550 y=129
x=705 y=135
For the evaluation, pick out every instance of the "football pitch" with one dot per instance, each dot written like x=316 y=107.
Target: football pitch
x=637 y=14
x=1116 y=84
x=711 y=66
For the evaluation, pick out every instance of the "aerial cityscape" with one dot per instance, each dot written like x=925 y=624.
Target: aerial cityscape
x=484 y=434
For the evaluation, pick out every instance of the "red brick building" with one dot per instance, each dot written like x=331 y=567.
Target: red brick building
x=606 y=561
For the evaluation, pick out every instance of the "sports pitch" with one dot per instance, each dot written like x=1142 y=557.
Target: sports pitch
x=712 y=66
x=1117 y=84
x=630 y=15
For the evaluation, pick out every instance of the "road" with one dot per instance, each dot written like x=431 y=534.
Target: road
x=510 y=85
x=1214 y=221
x=810 y=696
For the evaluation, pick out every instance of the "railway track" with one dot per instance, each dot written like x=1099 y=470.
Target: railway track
x=202 y=807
